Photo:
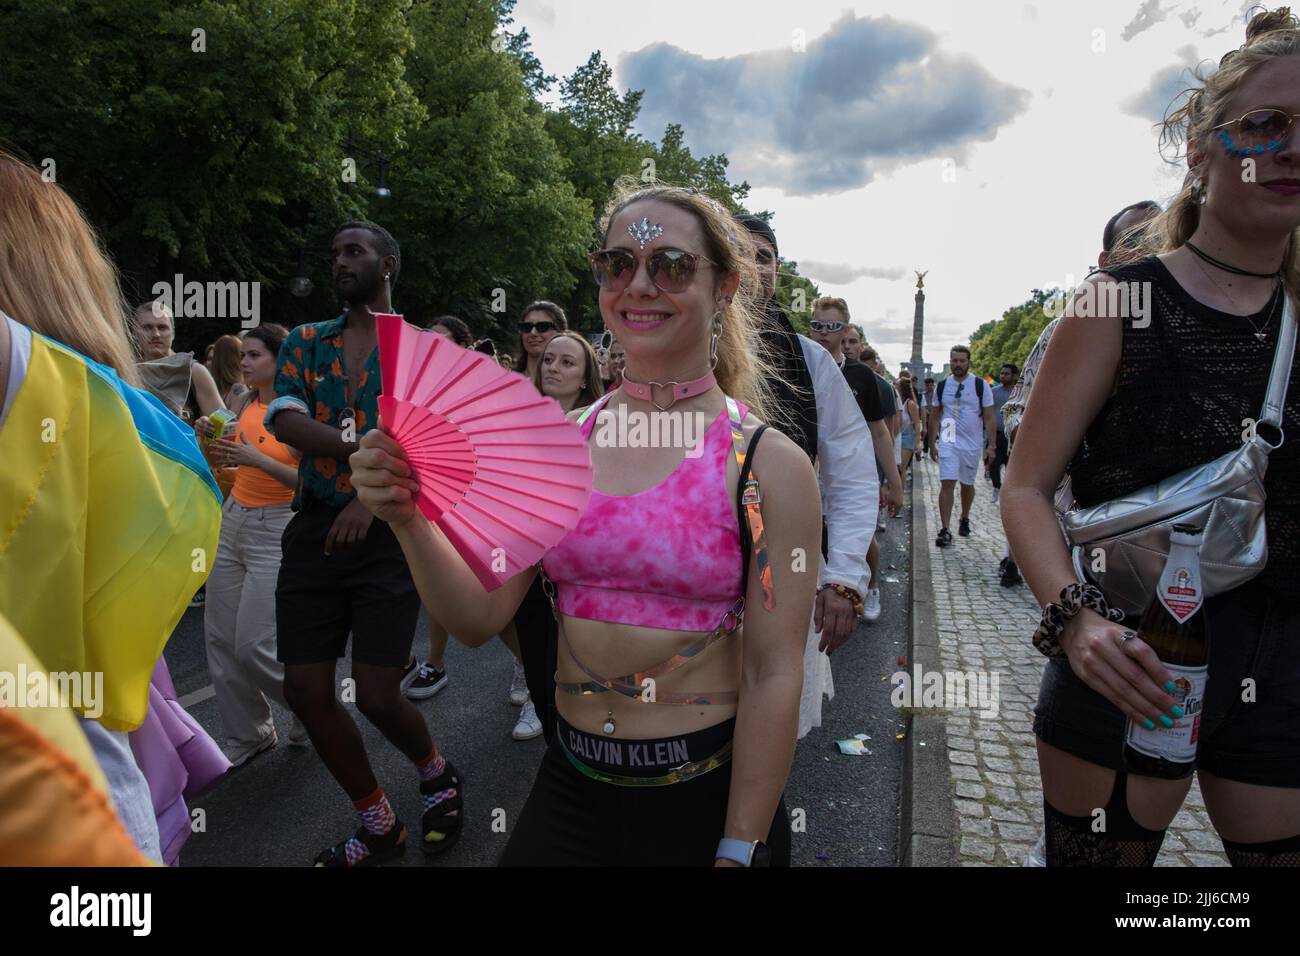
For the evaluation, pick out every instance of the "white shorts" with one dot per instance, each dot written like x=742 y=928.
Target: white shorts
x=959 y=464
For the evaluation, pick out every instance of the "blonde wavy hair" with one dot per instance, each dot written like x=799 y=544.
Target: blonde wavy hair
x=55 y=277
x=1193 y=114
x=745 y=368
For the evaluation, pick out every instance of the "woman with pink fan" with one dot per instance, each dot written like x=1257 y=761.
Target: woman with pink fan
x=675 y=734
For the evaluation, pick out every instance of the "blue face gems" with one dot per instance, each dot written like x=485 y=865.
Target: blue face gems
x=643 y=232
x=1232 y=149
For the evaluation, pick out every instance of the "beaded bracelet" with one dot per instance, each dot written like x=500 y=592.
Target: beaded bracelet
x=848 y=594
x=1075 y=597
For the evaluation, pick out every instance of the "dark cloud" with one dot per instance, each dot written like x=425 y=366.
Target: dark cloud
x=870 y=94
x=1165 y=84
x=837 y=273
x=1148 y=15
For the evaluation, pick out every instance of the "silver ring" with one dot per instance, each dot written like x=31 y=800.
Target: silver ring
x=1126 y=636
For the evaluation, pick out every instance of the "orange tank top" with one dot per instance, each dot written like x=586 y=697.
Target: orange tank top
x=254 y=488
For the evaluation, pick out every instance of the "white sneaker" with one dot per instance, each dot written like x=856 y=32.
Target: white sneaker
x=519 y=687
x=240 y=755
x=871 y=606
x=996 y=492
x=529 y=726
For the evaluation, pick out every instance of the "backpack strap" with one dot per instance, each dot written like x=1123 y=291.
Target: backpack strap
x=749 y=500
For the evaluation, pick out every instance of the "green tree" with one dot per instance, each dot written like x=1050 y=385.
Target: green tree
x=202 y=137
x=485 y=215
x=1010 y=338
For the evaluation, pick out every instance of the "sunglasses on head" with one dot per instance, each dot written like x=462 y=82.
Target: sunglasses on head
x=540 y=327
x=1258 y=131
x=817 y=325
x=671 y=270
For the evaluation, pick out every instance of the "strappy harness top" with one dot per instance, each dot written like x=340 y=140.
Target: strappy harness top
x=668 y=557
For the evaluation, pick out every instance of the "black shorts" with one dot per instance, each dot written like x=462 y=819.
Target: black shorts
x=365 y=590
x=1253 y=635
x=573 y=820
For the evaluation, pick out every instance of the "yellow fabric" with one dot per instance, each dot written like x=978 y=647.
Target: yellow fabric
x=54 y=805
x=105 y=530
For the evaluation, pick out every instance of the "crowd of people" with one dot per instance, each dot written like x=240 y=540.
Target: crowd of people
x=269 y=456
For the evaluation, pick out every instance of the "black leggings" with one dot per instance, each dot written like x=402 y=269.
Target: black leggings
x=539 y=639
x=572 y=820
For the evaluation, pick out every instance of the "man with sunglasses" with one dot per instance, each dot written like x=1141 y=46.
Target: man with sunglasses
x=829 y=327
x=818 y=412
x=962 y=421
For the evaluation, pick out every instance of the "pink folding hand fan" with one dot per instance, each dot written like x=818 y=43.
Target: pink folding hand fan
x=502 y=472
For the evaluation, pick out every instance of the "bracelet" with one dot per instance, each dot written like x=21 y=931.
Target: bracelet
x=846 y=592
x=1074 y=598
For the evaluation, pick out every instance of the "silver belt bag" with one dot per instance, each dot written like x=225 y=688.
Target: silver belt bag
x=1127 y=540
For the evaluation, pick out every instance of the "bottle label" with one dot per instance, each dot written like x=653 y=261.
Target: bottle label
x=1177 y=744
x=1180 y=589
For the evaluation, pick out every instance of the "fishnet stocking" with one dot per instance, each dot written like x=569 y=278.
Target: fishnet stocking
x=1274 y=853
x=1072 y=842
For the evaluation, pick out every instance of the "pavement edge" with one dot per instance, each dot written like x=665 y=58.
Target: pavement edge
x=927 y=830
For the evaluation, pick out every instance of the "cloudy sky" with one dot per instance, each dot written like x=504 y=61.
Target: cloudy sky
x=987 y=143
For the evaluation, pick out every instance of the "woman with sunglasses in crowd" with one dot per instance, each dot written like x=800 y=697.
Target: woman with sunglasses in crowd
x=540 y=322
x=680 y=759
x=1153 y=398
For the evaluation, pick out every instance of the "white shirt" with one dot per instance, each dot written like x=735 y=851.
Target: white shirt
x=846 y=471
x=968 y=430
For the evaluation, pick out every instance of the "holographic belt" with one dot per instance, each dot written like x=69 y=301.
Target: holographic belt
x=679 y=774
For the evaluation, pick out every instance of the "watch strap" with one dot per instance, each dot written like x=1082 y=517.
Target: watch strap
x=738 y=851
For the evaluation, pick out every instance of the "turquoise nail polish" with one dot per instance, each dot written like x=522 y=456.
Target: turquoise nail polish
x=1176 y=711
x=1149 y=725
x=1166 y=721
x=1170 y=686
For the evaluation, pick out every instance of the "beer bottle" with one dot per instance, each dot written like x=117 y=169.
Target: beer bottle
x=1174 y=626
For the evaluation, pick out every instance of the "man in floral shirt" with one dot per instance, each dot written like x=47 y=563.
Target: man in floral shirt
x=344 y=574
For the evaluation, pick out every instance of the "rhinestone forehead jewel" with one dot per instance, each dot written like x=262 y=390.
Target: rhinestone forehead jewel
x=643 y=232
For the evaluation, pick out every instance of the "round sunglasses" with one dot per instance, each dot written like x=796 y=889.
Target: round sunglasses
x=671 y=270
x=1257 y=131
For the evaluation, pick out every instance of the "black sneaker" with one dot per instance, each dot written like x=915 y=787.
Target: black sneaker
x=1010 y=576
x=200 y=597
x=963 y=527
x=944 y=539
x=428 y=681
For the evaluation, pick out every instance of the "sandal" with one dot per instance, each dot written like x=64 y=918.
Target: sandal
x=389 y=846
x=441 y=829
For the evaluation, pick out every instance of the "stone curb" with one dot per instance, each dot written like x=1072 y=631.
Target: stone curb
x=927 y=832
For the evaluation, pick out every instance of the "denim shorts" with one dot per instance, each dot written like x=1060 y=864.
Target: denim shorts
x=1253 y=635
x=908 y=435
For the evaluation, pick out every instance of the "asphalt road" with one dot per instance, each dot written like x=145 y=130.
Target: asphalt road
x=283 y=807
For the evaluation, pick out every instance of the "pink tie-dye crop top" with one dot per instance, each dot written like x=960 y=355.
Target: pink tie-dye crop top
x=665 y=557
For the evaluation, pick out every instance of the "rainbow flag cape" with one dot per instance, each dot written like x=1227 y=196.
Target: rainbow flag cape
x=109 y=519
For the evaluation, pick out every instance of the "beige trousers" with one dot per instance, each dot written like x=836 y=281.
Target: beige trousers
x=239 y=620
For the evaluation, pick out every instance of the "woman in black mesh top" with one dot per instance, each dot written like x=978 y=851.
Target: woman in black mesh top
x=1121 y=402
